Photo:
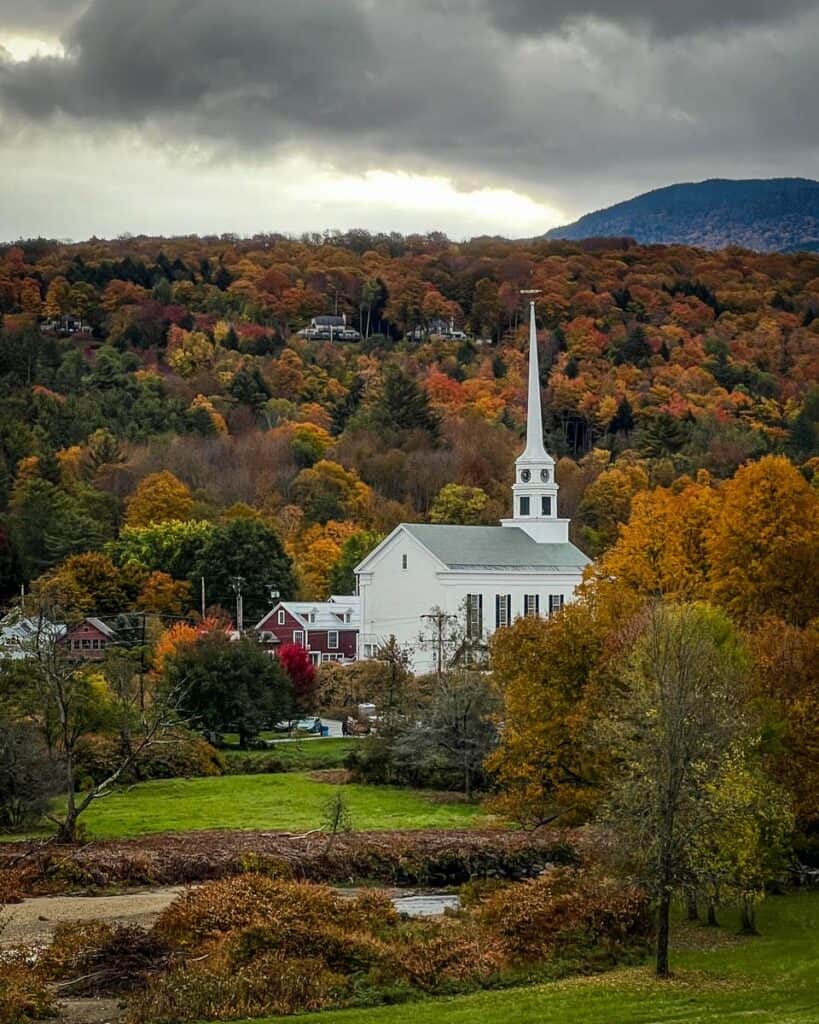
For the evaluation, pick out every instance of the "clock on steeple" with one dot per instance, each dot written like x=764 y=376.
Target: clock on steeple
x=534 y=493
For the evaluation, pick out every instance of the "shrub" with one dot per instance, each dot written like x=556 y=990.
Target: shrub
x=423 y=857
x=217 y=908
x=180 y=755
x=23 y=992
x=204 y=991
x=449 y=956
x=566 y=909
x=262 y=763
x=255 y=946
x=14 y=884
x=272 y=947
x=102 y=957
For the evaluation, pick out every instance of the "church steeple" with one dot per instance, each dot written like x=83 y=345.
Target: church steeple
x=534 y=450
x=534 y=493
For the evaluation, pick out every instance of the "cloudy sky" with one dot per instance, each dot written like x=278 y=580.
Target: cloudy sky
x=469 y=116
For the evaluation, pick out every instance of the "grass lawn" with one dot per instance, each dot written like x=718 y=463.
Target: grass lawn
x=291 y=801
x=719 y=978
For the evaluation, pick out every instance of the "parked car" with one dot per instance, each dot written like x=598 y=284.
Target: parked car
x=311 y=725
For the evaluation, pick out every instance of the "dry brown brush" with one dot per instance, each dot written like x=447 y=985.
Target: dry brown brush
x=423 y=857
x=255 y=945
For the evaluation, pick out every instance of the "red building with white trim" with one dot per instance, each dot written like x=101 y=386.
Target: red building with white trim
x=88 y=639
x=327 y=630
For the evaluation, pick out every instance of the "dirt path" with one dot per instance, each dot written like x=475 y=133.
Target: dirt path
x=33 y=921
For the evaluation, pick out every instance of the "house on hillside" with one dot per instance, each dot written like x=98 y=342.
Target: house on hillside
x=19 y=637
x=88 y=640
x=327 y=630
x=437 y=328
x=425 y=583
x=330 y=328
x=66 y=325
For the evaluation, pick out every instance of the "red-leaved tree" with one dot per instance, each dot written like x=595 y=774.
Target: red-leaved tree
x=302 y=674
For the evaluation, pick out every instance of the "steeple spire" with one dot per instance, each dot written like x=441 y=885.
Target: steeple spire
x=534 y=493
x=534 y=417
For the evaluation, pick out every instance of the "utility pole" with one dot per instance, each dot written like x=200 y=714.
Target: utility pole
x=142 y=665
x=237 y=590
x=439 y=618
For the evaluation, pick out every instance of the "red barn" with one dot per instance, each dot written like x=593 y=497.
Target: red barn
x=327 y=630
x=88 y=640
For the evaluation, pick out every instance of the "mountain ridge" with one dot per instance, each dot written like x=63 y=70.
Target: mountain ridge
x=763 y=214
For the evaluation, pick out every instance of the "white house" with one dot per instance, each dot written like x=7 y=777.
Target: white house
x=19 y=636
x=484 y=576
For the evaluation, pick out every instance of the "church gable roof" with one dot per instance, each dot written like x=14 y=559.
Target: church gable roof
x=493 y=547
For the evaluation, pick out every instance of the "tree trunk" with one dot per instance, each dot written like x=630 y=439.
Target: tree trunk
x=67 y=831
x=747 y=918
x=663 y=931
x=712 y=914
x=693 y=912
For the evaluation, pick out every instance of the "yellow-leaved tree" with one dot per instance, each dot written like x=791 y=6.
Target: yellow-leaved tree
x=552 y=676
x=661 y=551
x=159 y=498
x=763 y=547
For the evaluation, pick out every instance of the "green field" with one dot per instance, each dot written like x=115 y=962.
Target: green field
x=719 y=978
x=291 y=801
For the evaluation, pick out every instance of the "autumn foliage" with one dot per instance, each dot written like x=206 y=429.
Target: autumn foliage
x=196 y=398
x=253 y=945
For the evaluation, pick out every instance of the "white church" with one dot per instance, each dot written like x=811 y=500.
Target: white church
x=483 y=577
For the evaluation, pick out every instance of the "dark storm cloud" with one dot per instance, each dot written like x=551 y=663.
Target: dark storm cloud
x=446 y=85
x=665 y=17
x=128 y=60
x=48 y=16
x=257 y=72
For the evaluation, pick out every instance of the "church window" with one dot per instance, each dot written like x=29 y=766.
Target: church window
x=555 y=603
x=332 y=639
x=281 y=616
x=546 y=505
x=525 y=476
x=524 y=506
x=544 y=475
x=503 y=610
x=531 y=605
x=403 y=561
x=474 y=616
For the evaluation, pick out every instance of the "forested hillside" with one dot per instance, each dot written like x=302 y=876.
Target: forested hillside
x=191 y=432
x=770 y=215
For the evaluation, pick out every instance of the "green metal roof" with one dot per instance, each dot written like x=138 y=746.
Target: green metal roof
x=494 y=547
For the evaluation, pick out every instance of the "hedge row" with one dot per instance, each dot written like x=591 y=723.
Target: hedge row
x=423 y=858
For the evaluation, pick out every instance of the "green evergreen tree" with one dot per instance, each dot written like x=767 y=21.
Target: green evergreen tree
x=404 y=405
